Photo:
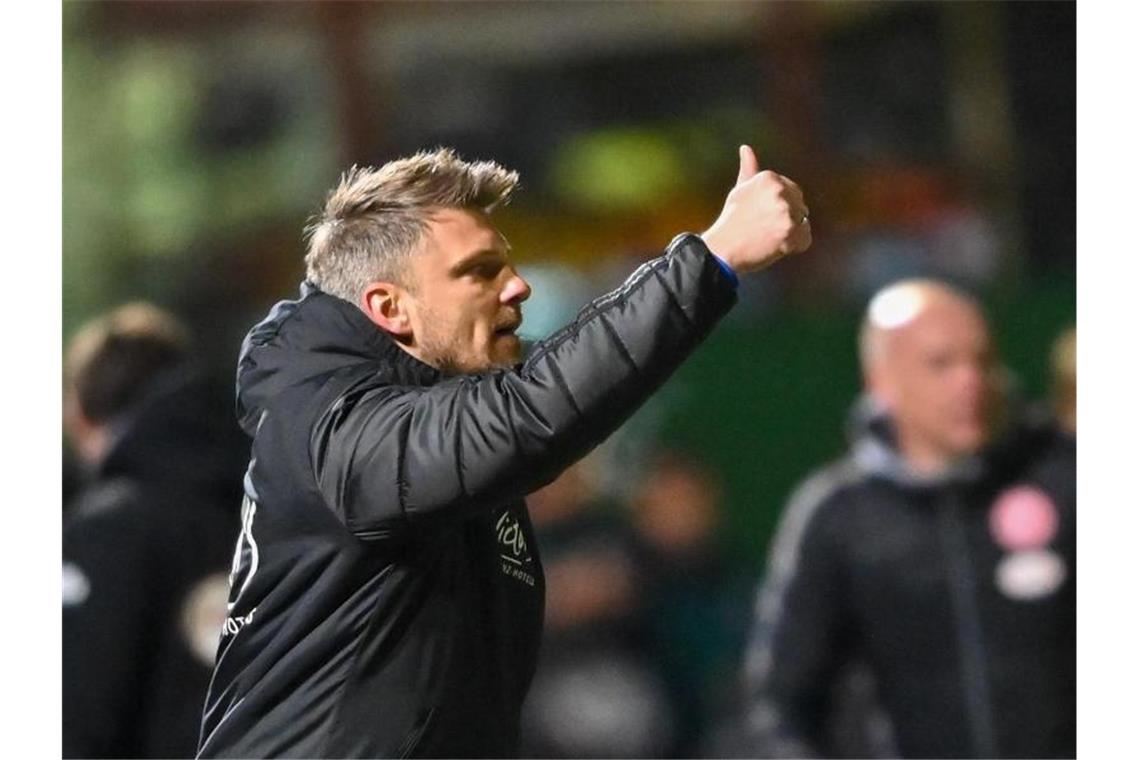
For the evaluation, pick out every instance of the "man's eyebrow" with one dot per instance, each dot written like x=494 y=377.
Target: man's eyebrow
x=482 y=256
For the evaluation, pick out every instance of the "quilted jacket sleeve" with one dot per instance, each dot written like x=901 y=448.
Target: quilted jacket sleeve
x=391 y=456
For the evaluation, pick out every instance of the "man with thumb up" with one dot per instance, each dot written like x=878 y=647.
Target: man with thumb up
x=386 y=597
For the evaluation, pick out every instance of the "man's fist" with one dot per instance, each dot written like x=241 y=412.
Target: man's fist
x=764 y=219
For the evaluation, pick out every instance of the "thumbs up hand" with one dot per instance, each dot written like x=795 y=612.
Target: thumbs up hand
x=749 y=165
x=764 y=219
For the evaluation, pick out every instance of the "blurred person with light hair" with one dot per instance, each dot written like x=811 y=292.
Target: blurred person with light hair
x=936 y=562
x=387 y=594
x=1064 y=388
x=147 y=539
x=108 y=363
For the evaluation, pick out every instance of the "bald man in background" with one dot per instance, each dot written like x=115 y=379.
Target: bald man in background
x=930 y=572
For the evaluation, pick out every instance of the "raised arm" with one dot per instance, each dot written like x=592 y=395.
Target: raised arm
x=385 y=454
x=388 y=456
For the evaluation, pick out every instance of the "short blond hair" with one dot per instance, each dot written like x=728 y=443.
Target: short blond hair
x=112 y=359
x=375 y=218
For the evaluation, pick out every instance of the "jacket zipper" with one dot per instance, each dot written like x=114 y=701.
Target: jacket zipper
x=971 y=641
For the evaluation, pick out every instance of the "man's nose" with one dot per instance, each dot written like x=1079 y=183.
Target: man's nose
x=516 y=290
x=973 y=379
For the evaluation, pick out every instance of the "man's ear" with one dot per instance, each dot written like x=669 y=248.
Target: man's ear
x=879 y=384
x=386 y=304
x=88 y=439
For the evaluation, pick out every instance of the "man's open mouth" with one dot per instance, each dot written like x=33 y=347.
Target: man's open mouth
x=508 y=329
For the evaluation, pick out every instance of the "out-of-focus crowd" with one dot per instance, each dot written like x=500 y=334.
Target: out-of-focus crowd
x=919 y=596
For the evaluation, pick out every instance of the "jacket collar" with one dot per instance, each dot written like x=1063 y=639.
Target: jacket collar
x=874 y=451
x=1024 y=430
x=311 y=337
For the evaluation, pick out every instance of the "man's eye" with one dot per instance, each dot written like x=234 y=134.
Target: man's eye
x=486 y=271
x=940 y=362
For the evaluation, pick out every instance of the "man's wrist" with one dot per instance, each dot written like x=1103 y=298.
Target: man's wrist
x=723 y=249
x=725 y=267
x=730 y=272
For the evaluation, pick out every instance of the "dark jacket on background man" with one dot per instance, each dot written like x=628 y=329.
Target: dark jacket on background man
x=958 y=595
x=388 y=597
x=146 y=548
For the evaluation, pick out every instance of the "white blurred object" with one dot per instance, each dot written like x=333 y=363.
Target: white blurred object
x=599 y=705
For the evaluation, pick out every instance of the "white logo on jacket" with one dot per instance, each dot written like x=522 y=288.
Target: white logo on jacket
x=513 y=549
x=1024 y=521
x=246 y=560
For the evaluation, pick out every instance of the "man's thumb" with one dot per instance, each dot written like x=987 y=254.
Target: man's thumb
x=749 y=166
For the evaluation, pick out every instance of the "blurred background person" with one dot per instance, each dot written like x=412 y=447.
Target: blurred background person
x=695 y=597
x=1064 y=381
x=597 y=691
x=148 y=539
x=940 y=552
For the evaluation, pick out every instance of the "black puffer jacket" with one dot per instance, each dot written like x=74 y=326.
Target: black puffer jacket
x=387 y=598
x=146 y=550
x=957 y=595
